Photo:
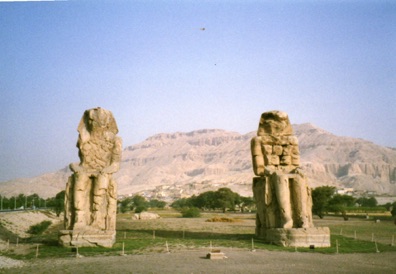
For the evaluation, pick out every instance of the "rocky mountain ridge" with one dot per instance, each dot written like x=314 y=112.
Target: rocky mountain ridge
x=170 y=166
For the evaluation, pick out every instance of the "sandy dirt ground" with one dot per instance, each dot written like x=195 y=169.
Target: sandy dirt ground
x=20 y=222
x=237 y=261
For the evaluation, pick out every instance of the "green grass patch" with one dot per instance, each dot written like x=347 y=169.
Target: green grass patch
x=176 y=234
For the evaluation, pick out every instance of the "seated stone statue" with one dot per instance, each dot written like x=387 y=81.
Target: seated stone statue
x=281 y=192
x=91 y=192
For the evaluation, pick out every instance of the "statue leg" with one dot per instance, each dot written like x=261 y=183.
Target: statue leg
x=68 y=219
x=282 y=191
x=99 y=208
x=81 y=182
x=111 y=205
x=300 y=198
x=258 y=192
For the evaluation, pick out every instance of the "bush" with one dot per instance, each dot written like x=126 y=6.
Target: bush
x=191 y=212
x=39 y=228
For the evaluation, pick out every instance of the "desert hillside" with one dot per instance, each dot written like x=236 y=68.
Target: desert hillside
x=173 y=165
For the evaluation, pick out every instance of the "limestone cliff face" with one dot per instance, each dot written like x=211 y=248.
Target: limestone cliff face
x=186 y=163
x=345 y=161
x=181 y=164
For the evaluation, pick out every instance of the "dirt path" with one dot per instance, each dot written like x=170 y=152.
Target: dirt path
x=237 y=261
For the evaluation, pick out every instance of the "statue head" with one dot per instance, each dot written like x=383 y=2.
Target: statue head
x=274 y=123
x=97 y=119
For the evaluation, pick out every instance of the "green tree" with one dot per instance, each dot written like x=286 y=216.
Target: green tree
x=342 y=200
x=320 y=199
x=139 y=203
x=367 y=202
x=338 y=204
x=182 y=203
x=50 y=202
x=154 y=203
x=5 y=203
x=388 y=206
x=223 y=198
x=140 y=208
x=125 y=205
x=59 y=202
x=40 y=203
x=32 y=200
x=205 y=200
x=393 y=210
x=21 y=201
x=372 y=202
x=226 y=198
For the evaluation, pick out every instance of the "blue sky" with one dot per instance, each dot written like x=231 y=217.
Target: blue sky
x=331 y=63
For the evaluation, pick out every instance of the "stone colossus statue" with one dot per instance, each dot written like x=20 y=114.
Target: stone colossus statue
x=91 y=192
x=282 y=194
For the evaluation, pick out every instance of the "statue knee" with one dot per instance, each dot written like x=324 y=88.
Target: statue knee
x=80 y=181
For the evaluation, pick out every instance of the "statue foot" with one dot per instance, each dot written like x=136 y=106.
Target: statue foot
x=306 y=224
x=79 y=226
x=288 y=224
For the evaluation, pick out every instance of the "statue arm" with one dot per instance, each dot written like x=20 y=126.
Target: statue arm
x=298 y=171
x=257 y=156
x=76 y=167
x=115 y=158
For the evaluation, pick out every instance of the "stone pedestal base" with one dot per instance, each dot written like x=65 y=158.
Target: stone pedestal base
x=298 y=237
x=75 y=238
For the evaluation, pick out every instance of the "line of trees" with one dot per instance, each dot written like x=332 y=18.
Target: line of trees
x=22 y=201
x=223 y=199
x=139 y=204
x=326 y=200
x=33 y=201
